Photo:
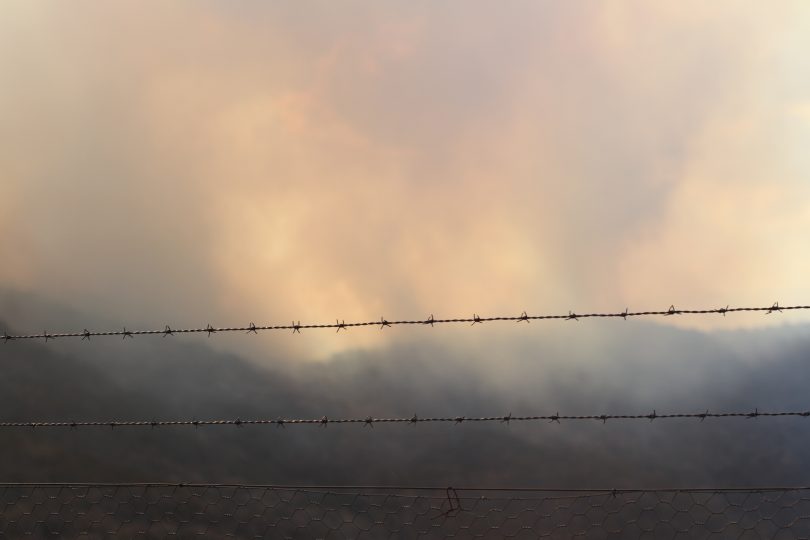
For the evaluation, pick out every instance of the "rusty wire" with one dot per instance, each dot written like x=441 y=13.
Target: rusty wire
x=339 y=325
x=370 y=421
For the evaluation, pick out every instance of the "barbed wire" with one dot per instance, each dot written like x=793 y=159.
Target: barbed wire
x=339 y=325
x=370 y=421
x=394 y=488
x=262 y=511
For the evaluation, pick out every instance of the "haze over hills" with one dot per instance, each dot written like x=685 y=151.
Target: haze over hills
x=203 y=163
x=626 y=368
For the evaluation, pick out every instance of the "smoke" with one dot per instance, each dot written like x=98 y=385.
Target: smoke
x=267 y=162
x=609 y=367
x=196 y=164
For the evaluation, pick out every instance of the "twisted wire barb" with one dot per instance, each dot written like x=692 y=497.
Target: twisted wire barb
x=296 y=327
x=370 y=420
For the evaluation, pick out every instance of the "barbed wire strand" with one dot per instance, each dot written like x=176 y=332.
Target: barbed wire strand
x=406 y=491
x=326 y=488
x=262 y=512
x=339 y=325
x=370 y=421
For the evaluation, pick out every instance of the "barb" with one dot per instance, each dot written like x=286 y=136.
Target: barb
x=296 y=327
x=371 y=420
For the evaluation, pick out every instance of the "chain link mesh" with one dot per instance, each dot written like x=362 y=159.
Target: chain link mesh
x=158 y=511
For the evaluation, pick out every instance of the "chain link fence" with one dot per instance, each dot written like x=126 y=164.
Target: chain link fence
x=219 y=511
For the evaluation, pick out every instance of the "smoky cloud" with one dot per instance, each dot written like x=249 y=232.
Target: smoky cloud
x=631 y=367
x=270 y=162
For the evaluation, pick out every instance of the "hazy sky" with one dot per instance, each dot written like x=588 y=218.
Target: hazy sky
x=195 y=162
x=189 y=163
